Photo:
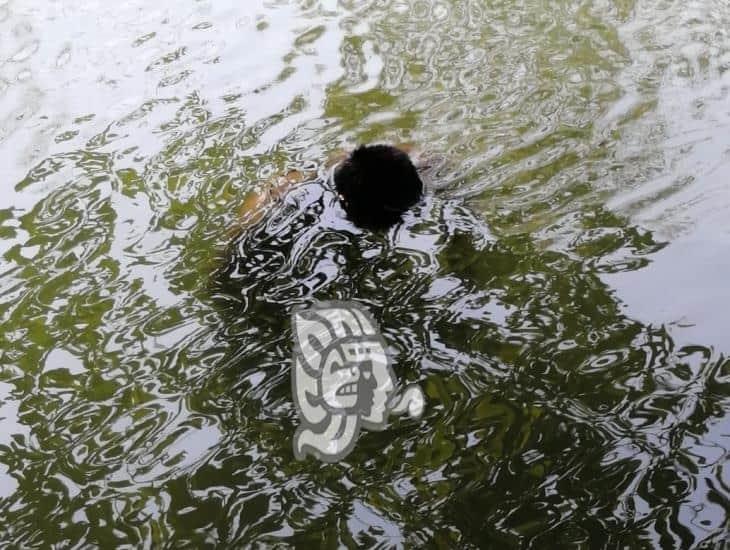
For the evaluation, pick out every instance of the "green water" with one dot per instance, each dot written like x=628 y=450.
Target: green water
x=559 y=295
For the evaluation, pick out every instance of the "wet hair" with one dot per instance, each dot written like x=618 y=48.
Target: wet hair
x=376 y=185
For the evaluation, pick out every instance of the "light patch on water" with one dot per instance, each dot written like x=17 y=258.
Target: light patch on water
x=60 y=358
x=9 y=417
x=187 y=449
x=687 y=200
x=131 y=245
x=66 y=80
x=9 y=426
x=8 y=485
x=685 y=286
x=364 y=520
x=181 y=440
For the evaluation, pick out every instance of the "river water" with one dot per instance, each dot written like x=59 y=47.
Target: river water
x=558 y=295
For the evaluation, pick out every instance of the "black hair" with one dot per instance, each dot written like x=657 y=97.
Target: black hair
x=376 y=185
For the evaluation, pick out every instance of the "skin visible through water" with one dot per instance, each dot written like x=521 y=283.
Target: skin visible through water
x=256 y=203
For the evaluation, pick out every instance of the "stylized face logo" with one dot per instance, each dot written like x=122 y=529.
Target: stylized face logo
x=344 y=368
x=356 y=378
x=342 y=380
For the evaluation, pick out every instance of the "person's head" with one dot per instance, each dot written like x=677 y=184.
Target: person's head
x=376 y=185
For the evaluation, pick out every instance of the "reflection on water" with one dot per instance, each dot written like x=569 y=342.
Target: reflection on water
x=144 y=364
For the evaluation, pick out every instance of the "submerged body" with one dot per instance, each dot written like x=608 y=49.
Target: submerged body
x=375 y=185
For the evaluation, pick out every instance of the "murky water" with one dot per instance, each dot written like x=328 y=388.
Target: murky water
x=561 y=295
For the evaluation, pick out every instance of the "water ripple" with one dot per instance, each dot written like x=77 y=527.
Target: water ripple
x=145 y=348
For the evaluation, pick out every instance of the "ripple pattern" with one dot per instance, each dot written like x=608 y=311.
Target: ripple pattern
x=145 y=349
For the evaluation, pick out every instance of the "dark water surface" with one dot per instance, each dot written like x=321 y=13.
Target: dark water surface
x=561 y=296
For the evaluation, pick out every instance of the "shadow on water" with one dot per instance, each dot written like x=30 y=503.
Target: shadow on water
x=144 y=372
x=552 y=417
